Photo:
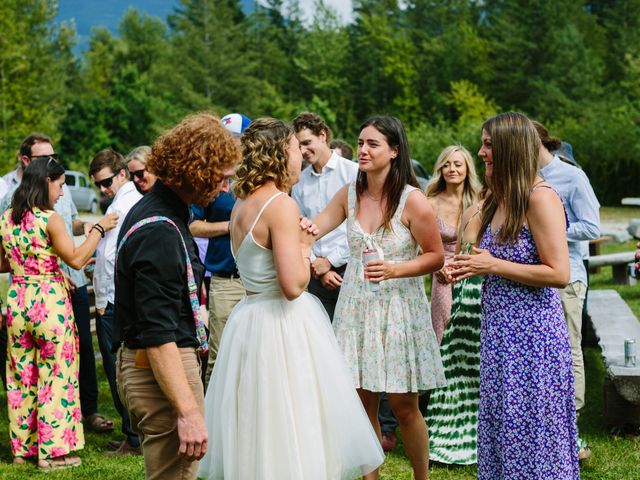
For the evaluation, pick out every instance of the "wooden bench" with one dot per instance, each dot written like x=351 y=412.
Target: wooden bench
x=618 y=261
x=613 y=323
x=631 y=201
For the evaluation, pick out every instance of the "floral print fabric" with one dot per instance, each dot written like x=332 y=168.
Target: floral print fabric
x=45 y=419
x=386 y=336
x=527 y=416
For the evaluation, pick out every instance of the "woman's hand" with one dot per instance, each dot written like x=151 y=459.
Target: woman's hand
x=444 y=275
x=480 y=262
x=109 y=222
x=378 y=270
x=308 y=226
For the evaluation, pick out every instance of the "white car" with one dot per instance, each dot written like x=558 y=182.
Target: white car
x=83 y=195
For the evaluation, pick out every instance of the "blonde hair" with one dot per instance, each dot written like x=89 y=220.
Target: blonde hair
x=140 y=154
x=515 y=147
x=265 y=155
x=437 y=184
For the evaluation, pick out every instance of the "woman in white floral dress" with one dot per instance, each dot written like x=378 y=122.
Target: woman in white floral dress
x=386 y=335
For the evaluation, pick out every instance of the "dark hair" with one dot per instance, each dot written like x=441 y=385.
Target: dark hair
x=313 y=122
x=30 y=141
x=550 y=143
x=345 y=148
x=33 y=190
x=107 y=158
x=401 y=173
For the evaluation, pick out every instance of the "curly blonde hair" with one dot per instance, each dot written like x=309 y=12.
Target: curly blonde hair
x=265 y=156
x=194 y=154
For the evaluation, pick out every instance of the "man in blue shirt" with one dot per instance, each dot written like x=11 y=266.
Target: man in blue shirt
x=583 y=213
x=212 y=222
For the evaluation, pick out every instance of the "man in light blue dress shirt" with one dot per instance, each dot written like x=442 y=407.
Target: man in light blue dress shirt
x=583 y=213
x=326 y=174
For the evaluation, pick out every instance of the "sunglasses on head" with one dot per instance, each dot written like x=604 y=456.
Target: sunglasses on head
x=137 y=173
x=107 y=182
x=52 y=157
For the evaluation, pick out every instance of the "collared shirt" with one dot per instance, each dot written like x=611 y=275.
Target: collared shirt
x=582 y=207
x=312 y=194
x=63 y=207
x=12 y=179
x=125 y=198
x=218 y=259
x=152 y=305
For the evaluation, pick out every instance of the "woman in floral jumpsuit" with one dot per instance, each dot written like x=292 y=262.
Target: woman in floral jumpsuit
x=45 y=420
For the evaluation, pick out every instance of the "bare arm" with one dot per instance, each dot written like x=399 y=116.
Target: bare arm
x=4 y=263
x=202 y=229
x=334 y=213
x=291 y=246
x=65 y=247
x=547 y=224
x=421 y=221
x=168 y=370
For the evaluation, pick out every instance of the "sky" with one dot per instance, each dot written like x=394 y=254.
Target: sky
x=342 y=7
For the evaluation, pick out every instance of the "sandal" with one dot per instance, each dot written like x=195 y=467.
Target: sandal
x=58 y=463
x=97 y=423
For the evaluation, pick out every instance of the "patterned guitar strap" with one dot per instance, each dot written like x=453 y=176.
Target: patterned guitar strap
x=201 y=334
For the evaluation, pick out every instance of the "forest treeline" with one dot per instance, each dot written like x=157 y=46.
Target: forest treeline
x=442 y=67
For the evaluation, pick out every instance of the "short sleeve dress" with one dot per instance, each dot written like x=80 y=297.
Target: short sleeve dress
x=386 y=336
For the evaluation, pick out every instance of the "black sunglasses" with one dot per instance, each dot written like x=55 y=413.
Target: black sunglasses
x=53 y=156
x=106 y=183
x=137 y=174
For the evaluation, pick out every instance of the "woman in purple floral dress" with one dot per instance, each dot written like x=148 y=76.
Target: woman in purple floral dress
x=526 y=423
x=45 y=420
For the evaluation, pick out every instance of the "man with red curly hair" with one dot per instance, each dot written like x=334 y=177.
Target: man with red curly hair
x=156 y=315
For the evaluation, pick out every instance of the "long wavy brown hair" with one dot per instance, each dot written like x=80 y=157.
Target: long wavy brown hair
x=194 y=154
x=516 y=146
x=264 y=157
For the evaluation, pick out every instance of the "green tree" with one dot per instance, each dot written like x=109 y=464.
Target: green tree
x=384 y=73
x=322 y=65
x=35 y=63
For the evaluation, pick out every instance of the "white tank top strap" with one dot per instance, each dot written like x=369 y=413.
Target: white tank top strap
x=403 y=199
x=351 y=199
x=266 y=204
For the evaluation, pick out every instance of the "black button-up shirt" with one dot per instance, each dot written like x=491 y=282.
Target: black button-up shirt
x=152 y=305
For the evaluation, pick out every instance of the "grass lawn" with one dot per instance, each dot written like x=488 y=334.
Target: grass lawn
x=613 y=458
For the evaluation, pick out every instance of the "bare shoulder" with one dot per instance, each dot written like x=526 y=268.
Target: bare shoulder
x=417 y=201
x=281 y=209
x=544 y=196
x=55 y=220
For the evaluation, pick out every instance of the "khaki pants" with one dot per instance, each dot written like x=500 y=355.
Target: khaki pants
x=224 y=294
x=572 y=297
x=154 y=418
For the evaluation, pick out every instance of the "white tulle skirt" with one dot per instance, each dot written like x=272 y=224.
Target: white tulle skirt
x=281 y=404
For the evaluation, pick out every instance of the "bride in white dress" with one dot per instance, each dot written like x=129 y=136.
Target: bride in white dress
x=281 y=404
